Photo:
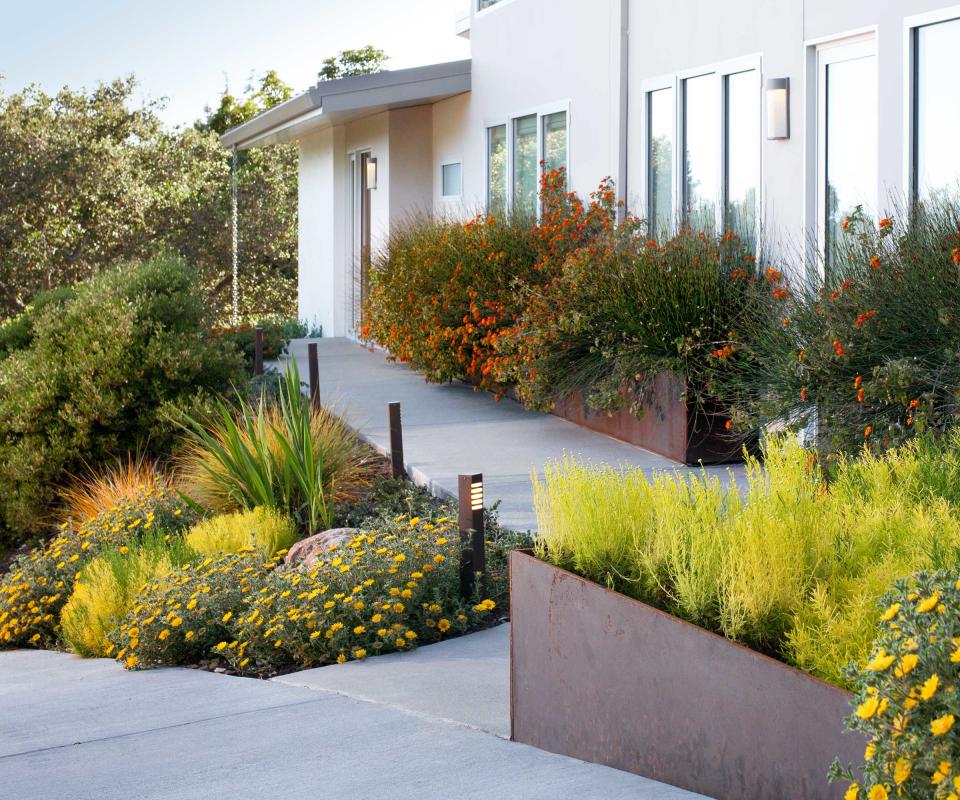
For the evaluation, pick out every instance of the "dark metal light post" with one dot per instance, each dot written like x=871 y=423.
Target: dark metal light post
x=396 y=440
x=314 y=367
x=473 y=558
x=258 y=351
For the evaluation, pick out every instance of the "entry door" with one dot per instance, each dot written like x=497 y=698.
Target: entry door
x=358 y=263
x=847 y=138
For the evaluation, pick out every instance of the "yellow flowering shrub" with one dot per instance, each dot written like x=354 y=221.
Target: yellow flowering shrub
x=791 y=564
x=105 y=588
x=906 y=699
x=384 y=590
x=262 y=528
x=40 y=582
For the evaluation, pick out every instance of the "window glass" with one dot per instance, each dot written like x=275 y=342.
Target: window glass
x=938 y=110
x=555 y=140
x=851 y=144
x=452 y=179
x=660 y=159
x=482 y=4
x=701 y=151
x=525 y=163
x=742 y=155
x=497 y=168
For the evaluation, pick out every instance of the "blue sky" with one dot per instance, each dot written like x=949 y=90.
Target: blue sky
x=187 y=50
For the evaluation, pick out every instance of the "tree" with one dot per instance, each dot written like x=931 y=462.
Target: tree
x=234 y=111
x=347 y=63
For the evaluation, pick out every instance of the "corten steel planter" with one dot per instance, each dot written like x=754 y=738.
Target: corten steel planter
x=669 y=425
x=599 y=676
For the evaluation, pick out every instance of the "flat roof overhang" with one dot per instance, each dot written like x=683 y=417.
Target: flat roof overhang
x=346 y=99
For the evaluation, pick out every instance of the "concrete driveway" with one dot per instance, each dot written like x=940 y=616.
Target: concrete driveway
x=87 y=730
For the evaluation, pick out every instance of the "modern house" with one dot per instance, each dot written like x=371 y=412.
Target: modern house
x=785 y=114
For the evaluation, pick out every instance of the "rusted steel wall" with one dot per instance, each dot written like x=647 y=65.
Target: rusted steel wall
x=601 y=677
x=667 y=427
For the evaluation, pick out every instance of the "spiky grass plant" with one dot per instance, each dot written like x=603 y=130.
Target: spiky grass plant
x=289 y=456
x=91 y=494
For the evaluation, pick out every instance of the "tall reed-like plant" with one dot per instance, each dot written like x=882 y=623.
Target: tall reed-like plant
x=288 y=455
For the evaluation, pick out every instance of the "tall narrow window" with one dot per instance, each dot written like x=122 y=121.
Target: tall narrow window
x=555 y=140
x=525 y=163
x=742 y=143
x=848 y=103
x=660 y=114
x=937 y=112
x=497 y=169
x=701 y=161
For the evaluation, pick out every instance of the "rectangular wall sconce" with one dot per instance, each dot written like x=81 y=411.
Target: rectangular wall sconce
x=778 y=108
x=371 y=173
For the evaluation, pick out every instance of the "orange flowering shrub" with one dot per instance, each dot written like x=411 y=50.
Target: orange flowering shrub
x=625 y=308
x=443 y=292
x=873 y=349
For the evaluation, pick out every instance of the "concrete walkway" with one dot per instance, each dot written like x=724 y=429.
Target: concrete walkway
x=450 y=429
x=73 y=729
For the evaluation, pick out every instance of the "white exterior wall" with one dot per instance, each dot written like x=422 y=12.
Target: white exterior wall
x=411 y=153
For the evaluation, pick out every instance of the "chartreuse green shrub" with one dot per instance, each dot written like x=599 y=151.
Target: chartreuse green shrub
x=260 y=529
x=387 y=589
x=40 y=582
x=105 y=589
x=788 y=564
x=906 y=700
x=96 y=379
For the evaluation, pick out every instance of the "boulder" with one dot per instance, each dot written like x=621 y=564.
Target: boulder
x=306 y=552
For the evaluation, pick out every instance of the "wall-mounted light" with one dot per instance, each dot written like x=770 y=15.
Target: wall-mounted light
x=778 y=108
x=371 y=173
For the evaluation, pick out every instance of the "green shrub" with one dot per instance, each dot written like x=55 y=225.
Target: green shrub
x=40 y=582
x=277 y=333
x=92 y=384
x=906 y=694
x=788 y=565
x=260 y=529
x=386 y=590
x=104 y=590
x=874 y=349
x=288 y=456
x=17 y=333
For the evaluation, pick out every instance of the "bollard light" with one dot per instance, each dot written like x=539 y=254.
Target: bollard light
x=258 y=351
x=314 y=367
x=473 y=558
x=396 y=440
x=778 y=108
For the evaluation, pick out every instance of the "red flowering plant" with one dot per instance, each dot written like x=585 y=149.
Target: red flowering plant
x=443 y=292
x=626 y=308
x=872 y=351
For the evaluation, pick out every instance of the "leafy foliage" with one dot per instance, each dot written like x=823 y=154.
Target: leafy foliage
x=261 y=529
x=346 y=63
x=95 y=381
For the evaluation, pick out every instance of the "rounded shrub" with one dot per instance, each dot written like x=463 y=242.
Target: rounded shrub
x=262 y=529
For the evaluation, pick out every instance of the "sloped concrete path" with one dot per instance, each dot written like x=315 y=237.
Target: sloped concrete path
x=87 y=730
x=450 y=429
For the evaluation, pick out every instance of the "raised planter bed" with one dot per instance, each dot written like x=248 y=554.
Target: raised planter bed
x=668 y=426
x=599 y=676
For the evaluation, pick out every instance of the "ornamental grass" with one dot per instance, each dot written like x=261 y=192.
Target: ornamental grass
x=287 y=455
x=789 y=563
x=261 y=529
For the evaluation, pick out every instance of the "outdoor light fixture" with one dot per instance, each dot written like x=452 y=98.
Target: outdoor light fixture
x=371 y=173
x=778 y=108
x=473 y=558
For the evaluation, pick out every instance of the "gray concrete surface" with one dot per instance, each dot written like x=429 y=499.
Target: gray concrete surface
x=465 y=680
x=88 y=730
x=450 y=429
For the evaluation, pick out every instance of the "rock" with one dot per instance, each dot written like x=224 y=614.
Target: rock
x=307 y=551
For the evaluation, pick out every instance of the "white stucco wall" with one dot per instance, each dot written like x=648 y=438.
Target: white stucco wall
x=411 y=154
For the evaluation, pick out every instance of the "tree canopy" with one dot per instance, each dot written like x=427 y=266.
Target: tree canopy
x=347 y=63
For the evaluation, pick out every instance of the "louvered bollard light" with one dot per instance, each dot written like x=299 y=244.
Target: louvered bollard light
x=258 y=351
x=473 y=557
x=314 y=367
x=396 y=440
